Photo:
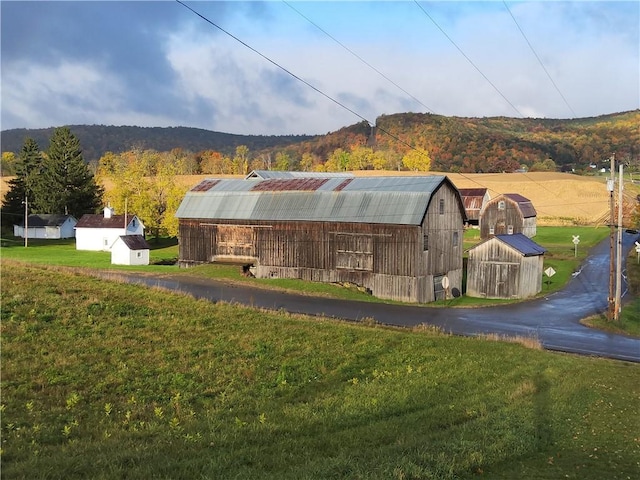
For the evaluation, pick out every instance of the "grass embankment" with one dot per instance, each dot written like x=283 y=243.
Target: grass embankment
x=108 y=380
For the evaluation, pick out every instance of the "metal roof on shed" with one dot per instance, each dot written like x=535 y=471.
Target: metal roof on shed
x=393 y=200
x=522 y=243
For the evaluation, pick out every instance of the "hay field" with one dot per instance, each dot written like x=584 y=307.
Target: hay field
x=559 y=198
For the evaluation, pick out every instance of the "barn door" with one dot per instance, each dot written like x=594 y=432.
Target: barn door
x=506 y=280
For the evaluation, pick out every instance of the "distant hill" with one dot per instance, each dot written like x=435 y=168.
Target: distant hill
x=95 y=140
x=455 y=144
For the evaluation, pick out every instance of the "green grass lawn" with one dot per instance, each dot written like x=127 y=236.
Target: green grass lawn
x=104 y=380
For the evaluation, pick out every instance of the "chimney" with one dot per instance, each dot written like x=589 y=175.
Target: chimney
x=108 y=212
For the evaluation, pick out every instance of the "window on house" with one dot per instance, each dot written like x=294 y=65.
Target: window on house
x=442 y=206
x=106 y=242
x=425 y=242
x=139 y=254
x=510 y=229
x=492 y=230
x=501 y=205
x=455 y=239
x=134 y=223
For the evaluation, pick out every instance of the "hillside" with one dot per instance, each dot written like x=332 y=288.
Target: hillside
x=455 y=144
x=98 y=139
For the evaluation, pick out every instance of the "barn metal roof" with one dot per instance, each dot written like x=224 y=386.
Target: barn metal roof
x=473 y=201
x=393 y=200
x=526 y=207
x=522 y=243
x=288 y=174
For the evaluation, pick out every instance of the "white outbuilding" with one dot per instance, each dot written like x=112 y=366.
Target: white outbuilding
x=130 y=250
x=46 y=226
x=99 y=232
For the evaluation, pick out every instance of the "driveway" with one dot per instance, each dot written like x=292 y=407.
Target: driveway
x=554 y=319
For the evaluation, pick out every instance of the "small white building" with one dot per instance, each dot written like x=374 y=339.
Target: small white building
x=99 y=232
x=48 y=226
x=130 y=250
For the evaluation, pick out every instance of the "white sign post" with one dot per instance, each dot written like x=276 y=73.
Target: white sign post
x=445 y=285
x=638 y=251
x=549 y=272
x=576 y=241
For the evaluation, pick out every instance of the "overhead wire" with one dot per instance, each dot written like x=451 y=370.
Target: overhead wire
x=340 y=103
x=539 y=59
x=371 y=124
x=467 y=58
x=355 y=55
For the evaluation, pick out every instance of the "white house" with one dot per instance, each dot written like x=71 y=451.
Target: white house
x=99 y=232
x=49 y=226
x=130 y=250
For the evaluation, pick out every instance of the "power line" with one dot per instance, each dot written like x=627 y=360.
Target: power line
x=295 y=76
x=467 y=58
x=273 y=62
x=539 y=60
x=355 y=54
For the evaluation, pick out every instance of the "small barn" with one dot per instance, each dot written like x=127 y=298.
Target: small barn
x=99 y=232
x=508 y=213
x=395 y=236
x=474 y=200
x=130 y=250
x=49 y=226
x=505 y=266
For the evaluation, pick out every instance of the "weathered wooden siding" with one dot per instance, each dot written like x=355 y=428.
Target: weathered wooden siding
x=529 y=227
x=506 y=221
x=390 y=260
x=496 y=270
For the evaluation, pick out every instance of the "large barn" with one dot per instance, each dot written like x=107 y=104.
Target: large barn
x=396 y=236
x=508 y=213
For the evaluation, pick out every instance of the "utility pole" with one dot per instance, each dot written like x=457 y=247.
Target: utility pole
x=26 y=221
x=616 y=315
x=611 y=188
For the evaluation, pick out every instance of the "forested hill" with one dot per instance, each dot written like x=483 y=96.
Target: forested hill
x=95 y=140
x=454 y=144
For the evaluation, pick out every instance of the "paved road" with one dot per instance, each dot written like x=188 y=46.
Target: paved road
x=553 y=319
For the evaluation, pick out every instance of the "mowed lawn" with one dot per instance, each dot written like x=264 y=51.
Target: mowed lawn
x=102 y=380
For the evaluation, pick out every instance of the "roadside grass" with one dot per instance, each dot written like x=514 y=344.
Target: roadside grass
x=104 y=380
x=629 y=321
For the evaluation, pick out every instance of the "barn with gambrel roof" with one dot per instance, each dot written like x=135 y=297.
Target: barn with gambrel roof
x=396 y=236
x=508 y=213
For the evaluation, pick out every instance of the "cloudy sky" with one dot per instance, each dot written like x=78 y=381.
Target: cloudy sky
x=299 y=67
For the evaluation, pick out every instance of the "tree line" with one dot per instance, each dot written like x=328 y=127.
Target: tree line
x=453 y=144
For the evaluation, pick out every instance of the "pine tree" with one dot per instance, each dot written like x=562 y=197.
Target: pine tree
x=20 y=187
x=66 y=185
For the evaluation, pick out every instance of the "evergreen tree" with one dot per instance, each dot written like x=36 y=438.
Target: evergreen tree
x=66 y=184
x=20 y=190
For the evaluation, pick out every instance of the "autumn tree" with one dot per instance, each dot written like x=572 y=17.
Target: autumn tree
x=417 y=160
x=338 y=161
x=144 y=183
x=241 y=160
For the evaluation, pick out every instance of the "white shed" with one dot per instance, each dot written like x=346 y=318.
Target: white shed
x=130 y=250
x=99 y=232
x=48 y=226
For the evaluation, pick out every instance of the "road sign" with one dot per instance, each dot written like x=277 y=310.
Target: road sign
x=550 y=272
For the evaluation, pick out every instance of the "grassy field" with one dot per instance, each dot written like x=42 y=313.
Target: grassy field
x=103 y=380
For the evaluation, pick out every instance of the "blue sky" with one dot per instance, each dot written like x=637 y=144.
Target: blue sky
x=155 y=63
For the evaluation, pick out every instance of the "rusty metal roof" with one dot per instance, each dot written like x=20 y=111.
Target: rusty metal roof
x=264 y=174
x=393 y=200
